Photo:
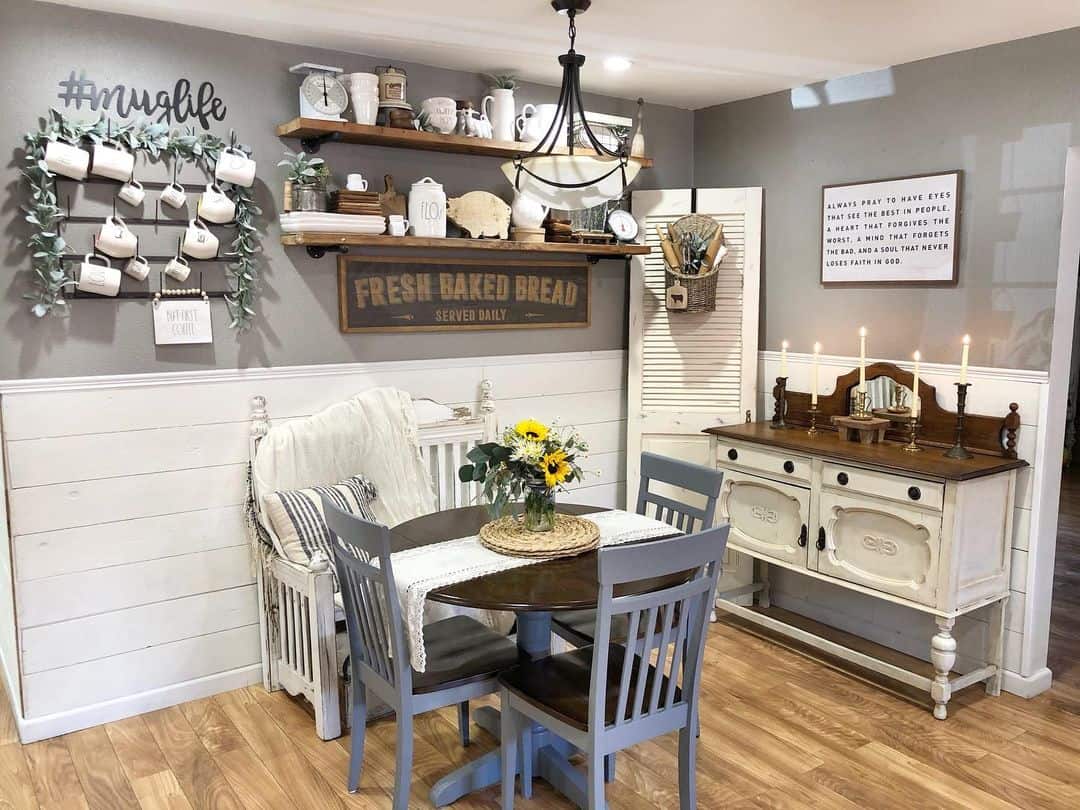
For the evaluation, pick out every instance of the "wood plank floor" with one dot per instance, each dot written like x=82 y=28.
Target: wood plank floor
x=780 y=729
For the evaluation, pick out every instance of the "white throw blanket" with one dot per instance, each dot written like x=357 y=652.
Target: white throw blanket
x=373 y=434
x=418 y=571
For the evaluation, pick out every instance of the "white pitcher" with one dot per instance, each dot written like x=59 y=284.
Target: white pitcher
x=501 y=114
x=528 y=212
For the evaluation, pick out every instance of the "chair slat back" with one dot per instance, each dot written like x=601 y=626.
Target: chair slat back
x=695 y=478
x=372 y=610
x=673 y=680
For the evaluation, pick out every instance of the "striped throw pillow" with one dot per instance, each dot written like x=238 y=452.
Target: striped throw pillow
x=297 y=515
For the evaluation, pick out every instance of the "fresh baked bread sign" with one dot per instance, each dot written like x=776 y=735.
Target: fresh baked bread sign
x=397 y=294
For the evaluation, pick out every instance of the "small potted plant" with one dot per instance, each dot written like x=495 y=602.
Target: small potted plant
x=305 y=183
x=534 y=460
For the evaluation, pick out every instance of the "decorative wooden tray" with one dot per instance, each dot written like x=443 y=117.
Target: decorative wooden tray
x=571 y=536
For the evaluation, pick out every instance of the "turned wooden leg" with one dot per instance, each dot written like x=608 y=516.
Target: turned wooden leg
x=943 y=656
x=995 y=653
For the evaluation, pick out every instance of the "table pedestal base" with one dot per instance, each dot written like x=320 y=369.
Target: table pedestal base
x=548 y=756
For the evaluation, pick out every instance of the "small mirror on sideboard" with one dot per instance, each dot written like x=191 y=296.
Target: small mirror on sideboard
x=885 y=394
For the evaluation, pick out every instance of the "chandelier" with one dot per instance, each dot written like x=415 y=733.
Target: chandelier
x=571 y=180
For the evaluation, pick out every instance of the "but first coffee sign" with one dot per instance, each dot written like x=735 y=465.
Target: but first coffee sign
x=383 y=294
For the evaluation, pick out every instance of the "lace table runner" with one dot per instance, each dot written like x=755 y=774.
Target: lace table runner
x=418 y=571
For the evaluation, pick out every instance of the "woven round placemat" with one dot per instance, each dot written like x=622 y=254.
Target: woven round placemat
x=572 y=535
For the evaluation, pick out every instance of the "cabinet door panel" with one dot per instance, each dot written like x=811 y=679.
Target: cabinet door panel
x=767 y=518
x=880 y=545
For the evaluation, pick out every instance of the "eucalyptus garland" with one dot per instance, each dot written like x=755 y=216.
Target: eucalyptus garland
x=47 y=246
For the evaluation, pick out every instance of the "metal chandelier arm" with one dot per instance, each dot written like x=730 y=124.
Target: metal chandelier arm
x=521 y=168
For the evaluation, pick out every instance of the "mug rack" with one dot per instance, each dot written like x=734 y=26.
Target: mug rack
x=157 y=220
x=163 y=291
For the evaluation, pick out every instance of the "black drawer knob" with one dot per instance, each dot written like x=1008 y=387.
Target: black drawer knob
x=802 y=537
x=733 y=454
x=842 y=479
x=789 y=466
x=821 y=538
x=914 y=493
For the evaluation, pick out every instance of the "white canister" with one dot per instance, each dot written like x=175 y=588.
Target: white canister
x=235 y=167
x=100 y=279
x=427 y=208
x=392 y=86
x=501 y=113
x=112 y=162
x=67 y=159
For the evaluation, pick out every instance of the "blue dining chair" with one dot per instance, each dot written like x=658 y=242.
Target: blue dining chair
x=576 y=626
x=606 y=697
x=464 y=657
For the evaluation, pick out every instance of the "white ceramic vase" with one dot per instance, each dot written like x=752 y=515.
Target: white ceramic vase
x=501 y=113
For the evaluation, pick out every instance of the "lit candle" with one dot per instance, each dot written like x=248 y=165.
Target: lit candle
x=915 y=386
x=862 y=359
x=814 y=383
x=964 y=359
x=783 y=358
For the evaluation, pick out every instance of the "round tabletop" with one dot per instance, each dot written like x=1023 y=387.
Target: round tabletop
x=569 y=583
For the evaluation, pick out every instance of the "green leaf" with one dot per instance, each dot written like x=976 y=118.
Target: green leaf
x=480 y=472
x=465 y=474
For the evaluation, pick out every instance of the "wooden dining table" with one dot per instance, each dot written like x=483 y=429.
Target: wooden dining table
x=533 y=593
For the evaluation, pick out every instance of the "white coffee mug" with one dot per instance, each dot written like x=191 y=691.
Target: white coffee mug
x=399 y=226
x=215 y=205
x=174 y=195
x=132 y=192
x=199 y=242
x=116 y=239
x=178 y=268
x=66 y=159
x=356 y=182
x=137 y=267
x=112 y=162
x=101 y=279
x=235 y=167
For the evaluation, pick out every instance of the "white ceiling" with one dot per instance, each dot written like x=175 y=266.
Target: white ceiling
x=688 y=53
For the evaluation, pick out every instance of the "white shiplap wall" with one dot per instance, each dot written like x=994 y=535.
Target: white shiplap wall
x=132 y=577
x=991 y=392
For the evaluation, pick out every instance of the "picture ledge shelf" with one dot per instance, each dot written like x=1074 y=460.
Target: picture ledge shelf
x=319 y=243
x=312 y=132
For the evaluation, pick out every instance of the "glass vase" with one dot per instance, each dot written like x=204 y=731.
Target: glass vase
x=539 y=508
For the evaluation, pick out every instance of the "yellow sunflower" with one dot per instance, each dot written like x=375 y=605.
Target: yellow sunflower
x=556 y=468
x=531 y=429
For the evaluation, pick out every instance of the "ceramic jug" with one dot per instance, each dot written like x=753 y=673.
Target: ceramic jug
x=527 y=212
x=501 y=113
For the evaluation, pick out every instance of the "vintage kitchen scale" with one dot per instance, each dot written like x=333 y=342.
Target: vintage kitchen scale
x=322 y=95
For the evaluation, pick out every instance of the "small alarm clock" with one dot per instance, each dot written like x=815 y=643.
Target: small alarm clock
x=623 y=225
x=322 y=95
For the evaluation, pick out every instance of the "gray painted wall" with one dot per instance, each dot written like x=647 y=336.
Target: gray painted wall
x=1005 y=114
x=297 y=322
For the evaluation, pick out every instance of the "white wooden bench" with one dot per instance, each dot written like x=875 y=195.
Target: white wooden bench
x=298 y=613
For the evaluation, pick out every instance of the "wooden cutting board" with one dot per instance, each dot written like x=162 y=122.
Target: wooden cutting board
x=392 y=200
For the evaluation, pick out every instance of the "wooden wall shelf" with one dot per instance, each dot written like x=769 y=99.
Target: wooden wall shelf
x=319 y=243
x=312 y=132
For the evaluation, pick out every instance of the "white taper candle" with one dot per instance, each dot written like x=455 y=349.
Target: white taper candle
x=814 y=382
x=915 y=403
x=964 y=359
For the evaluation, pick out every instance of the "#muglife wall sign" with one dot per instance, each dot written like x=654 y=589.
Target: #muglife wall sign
x=897 y=231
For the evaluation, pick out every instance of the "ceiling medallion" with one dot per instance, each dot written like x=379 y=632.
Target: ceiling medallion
x=574 y=180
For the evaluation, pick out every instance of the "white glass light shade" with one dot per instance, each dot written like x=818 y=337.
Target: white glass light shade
x=571 y=169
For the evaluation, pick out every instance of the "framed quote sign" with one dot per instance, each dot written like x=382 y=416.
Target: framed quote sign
x=898 y=231
x=399 y=294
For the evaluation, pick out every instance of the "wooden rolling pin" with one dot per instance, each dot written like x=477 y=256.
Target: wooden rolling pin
x=670 y=256
x=713 y=249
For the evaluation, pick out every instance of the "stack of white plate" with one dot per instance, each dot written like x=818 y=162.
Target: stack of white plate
x=319 y=221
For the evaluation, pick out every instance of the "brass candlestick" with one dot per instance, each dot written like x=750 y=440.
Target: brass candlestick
x=779 y=403
x=813 y=431
x=958 y=450
x=913 y=434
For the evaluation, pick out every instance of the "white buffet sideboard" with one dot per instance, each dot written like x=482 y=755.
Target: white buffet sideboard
x=917 y=529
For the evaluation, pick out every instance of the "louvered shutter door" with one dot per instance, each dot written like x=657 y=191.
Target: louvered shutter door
x=688 y=371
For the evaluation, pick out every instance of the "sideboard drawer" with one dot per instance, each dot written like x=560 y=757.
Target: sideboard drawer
x=767 y=518
x=879 y=545
x=902 y=488
x=767 y=462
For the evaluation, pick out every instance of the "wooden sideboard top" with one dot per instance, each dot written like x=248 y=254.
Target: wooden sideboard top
x=828 y=444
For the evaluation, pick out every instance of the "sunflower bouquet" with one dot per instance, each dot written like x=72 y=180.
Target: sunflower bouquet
x=534 y=460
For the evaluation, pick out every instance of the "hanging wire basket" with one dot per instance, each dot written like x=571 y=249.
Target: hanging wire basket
x=699 y=283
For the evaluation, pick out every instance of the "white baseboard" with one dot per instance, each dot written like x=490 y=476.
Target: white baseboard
x=53 y=725
x=1029 y=686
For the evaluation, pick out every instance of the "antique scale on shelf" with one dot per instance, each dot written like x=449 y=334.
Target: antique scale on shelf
x=322 y=95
